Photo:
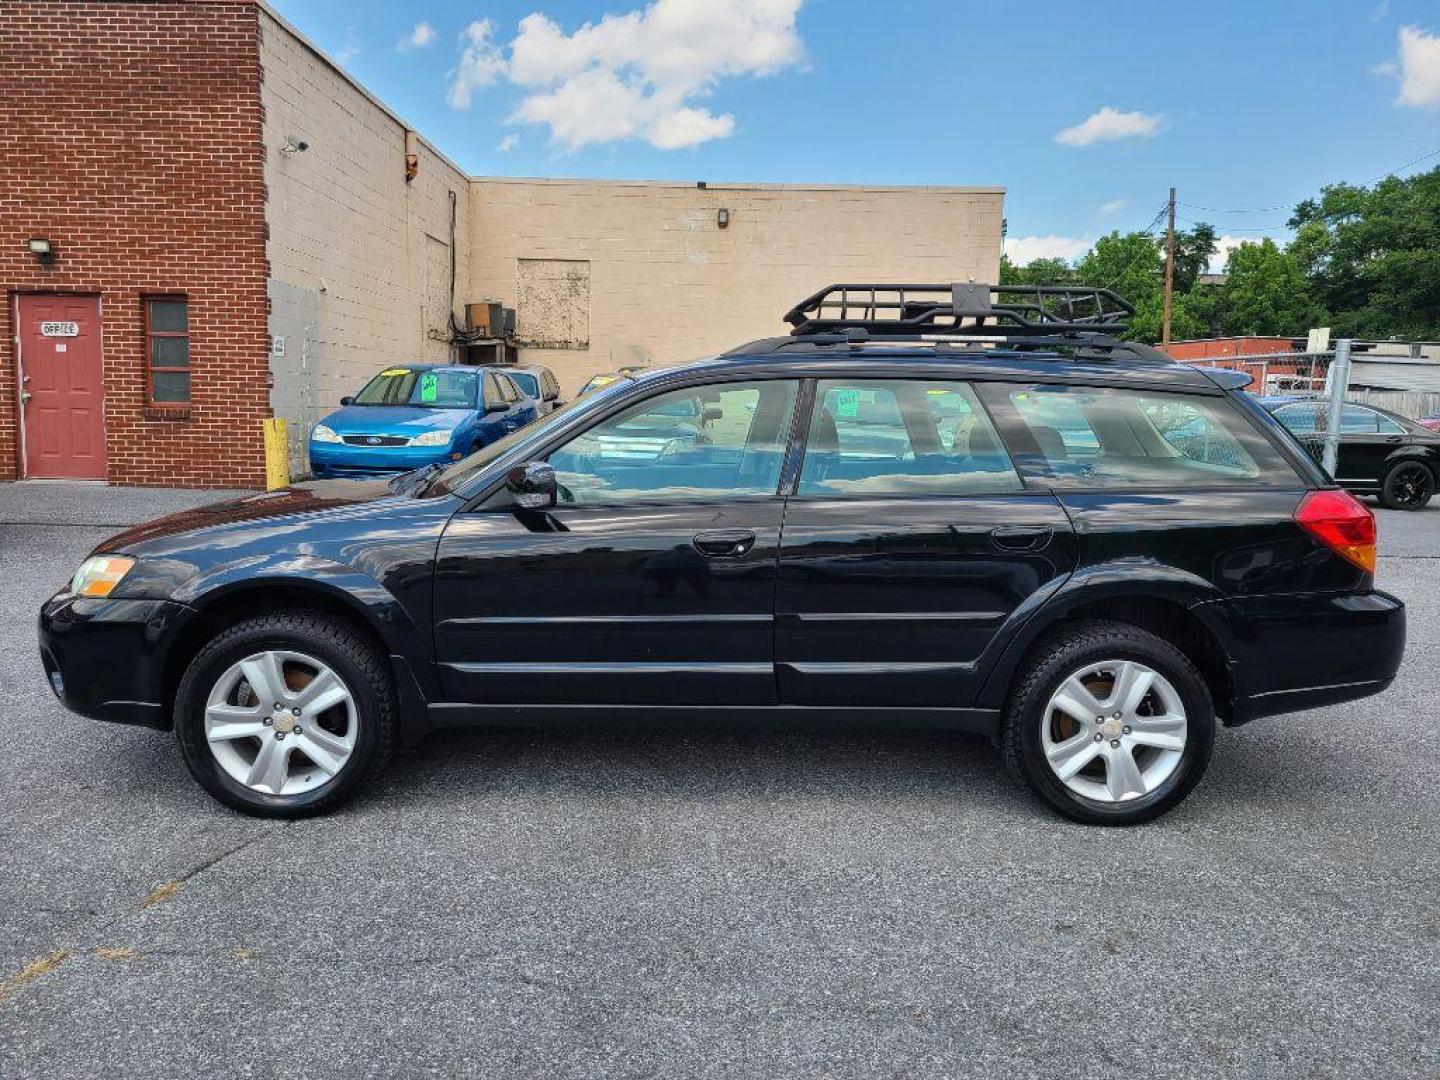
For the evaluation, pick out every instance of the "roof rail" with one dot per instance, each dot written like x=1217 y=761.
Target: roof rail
x=961 y=307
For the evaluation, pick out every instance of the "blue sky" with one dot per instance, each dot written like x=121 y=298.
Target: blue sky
x=1085 y=113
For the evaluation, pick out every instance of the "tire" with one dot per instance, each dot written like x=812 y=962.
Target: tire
x=1407 y=485
x=1092 y=651
x=351 y=730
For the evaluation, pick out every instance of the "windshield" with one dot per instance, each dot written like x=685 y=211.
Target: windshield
x=440 y=389
x=458 y=474
x=527 y=382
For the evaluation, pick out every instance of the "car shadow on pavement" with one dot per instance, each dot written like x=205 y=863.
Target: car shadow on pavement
x=700 y=762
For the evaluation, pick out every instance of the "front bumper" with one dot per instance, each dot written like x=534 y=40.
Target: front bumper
x=1304 y=652
x=105 y=659
x=340 y=459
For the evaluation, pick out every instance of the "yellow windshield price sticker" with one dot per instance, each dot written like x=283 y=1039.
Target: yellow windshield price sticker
x=390 y=373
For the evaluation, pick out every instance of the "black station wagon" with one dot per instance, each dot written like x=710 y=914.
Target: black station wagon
x=951 y=506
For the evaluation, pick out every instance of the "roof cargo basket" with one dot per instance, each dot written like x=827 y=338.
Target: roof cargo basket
x=921 y=311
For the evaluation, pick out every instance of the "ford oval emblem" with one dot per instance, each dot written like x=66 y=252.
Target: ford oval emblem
x=374 y=440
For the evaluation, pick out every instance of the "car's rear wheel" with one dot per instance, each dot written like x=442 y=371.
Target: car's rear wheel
x=285 y=715
x=1407 y=485
x=1109 y=724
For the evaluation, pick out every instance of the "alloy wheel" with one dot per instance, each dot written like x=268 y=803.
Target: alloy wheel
x=1410 y=485
x=1114 y=731
x=281 y=723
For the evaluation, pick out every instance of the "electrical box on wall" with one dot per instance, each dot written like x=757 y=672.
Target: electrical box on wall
x=486 y=318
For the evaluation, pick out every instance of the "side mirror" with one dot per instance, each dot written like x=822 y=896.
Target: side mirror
x=496 y=406
x=552 y=395
x=346 y=401
x=533 y=485
x=711 y=413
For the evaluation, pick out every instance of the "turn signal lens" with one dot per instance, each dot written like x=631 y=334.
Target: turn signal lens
x=99 y=574
x=1342 y=523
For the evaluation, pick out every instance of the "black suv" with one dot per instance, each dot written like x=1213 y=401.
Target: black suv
x=950 y=506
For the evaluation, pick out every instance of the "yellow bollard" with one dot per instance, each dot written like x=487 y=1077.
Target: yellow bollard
x=277 y=455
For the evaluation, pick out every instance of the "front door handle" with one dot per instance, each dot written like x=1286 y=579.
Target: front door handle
x=1020 y=537
x=25 y=397
x=724 y=545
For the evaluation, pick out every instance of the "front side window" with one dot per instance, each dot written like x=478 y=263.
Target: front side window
x=1307 y=418
x=527 y=383
x=1078 y=437
x=1357 y=421
x=715 y=442
x=432 y=389
x=902 y=437
x=167 y=344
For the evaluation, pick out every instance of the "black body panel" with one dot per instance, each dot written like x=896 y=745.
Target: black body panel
x=609 y=605
x=896 y=610
x=895 y=601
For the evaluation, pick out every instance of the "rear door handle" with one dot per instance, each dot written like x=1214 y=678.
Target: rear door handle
x=1020 y=537
x=724 y=545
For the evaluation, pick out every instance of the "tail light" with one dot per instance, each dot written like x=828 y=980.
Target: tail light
x=1342 y=523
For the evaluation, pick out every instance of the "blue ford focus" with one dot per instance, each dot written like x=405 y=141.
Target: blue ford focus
x=412 y=415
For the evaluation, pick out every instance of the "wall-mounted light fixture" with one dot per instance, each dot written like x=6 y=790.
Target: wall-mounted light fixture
x=722 y=217
x=294 y=146
x=42 y=249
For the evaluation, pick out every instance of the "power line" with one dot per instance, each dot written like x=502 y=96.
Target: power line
x=1228 y=230
x=1276 y=209
x=1150 y=232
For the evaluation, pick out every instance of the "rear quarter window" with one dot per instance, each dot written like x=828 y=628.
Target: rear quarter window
x=1106 y=437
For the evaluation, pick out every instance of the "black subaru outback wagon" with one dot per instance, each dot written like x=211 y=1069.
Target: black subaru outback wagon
x=952 y=506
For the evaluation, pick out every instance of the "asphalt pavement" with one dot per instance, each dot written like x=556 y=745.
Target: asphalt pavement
x=704 y=904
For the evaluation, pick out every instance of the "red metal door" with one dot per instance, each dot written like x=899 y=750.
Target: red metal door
x=62 y=387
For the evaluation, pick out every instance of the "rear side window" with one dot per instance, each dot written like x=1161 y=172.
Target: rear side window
x=1078 y=437
x=902 y=437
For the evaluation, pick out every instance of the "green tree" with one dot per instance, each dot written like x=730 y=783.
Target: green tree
x=1036 y=272
x=1372 y=255
x=1193 y=252
x=1267 y=293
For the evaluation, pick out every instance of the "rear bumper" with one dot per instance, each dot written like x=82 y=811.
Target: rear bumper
x=1302 y=652
x=105 y=658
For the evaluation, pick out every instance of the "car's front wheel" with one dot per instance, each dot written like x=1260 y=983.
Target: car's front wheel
x=1109 y=724
x=285 y=715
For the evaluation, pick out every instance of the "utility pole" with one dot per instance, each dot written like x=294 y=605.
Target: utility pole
x=1169 y=275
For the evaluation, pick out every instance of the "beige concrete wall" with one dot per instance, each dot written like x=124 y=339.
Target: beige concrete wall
x=359 y=258
x=666 y=284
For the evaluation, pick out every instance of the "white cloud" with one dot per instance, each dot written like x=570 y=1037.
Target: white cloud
x=1417 y=67
x=1111 y=125
x=1113 y=207
x=349 y=47
x=640 y=75
x=508 y=143
x=1224 y=245
x=480 y=64
x=1023 y=250
x=420 y=36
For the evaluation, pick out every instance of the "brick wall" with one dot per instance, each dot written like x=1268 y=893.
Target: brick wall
x=130 y=136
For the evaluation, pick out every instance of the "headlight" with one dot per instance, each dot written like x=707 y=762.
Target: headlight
x=434 y=438
x=321 y=433
x=99 y=574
